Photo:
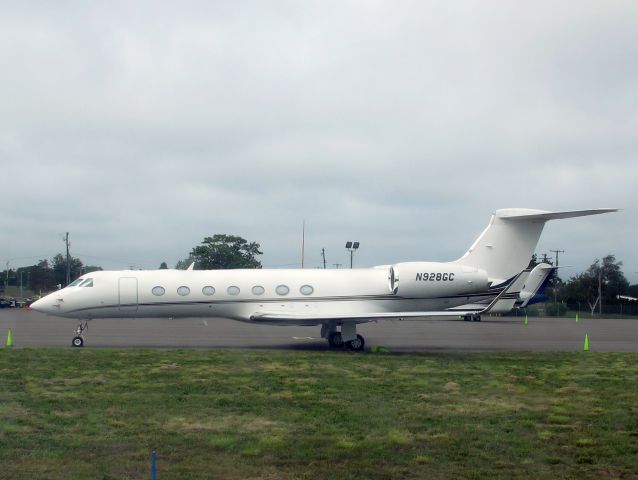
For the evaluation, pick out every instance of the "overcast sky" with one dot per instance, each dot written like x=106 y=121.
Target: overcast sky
x=142 y=127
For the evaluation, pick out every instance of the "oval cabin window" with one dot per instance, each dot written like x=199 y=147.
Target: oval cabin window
x=233 y=290
x=208 y=290
x=158 y=291
x=307 y=290
x=183 y=291
x=258 y=290
x=282 y=290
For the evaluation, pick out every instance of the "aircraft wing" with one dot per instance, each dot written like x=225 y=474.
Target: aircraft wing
x=276 y=317
x=315 y=318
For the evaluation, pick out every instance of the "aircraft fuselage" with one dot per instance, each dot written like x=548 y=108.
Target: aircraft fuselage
x=239 y=294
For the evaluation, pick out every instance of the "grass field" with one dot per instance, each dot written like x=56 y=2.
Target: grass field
x=97 y=414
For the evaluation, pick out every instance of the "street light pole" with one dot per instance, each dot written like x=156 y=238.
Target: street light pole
x=555 y=278
x=351 y=247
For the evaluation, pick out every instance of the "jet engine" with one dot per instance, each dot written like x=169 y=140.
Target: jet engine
x=434 y=279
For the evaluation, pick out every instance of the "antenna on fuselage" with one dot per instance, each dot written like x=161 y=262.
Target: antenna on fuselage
x=191 y=266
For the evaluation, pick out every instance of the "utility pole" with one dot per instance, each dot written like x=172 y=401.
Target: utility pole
x=556 y=275
x=557 y=252
x=600 y=290
x=68 y=260
x=337 y=265
x=323 y=255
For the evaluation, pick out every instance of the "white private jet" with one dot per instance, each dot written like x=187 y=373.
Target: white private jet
x=490 y=278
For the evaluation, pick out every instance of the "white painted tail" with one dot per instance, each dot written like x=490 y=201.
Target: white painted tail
x=506 y=246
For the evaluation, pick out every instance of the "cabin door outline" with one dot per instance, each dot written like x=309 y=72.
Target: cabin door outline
x=128 y=294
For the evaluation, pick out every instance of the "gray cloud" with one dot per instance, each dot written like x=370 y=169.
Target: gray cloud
x=141 y=128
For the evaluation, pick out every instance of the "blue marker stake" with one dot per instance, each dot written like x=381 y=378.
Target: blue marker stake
x=154 y=465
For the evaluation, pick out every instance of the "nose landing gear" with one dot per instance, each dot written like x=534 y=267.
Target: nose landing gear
x=78 y=340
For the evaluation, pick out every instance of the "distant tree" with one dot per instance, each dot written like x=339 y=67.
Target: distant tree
x=163 y=266
x=41 y=276
x=226 y=252
x=582 y=288
x=601 y=283
x=533 y=261
x=184 y=264
x=91 y=268
x=59 y=269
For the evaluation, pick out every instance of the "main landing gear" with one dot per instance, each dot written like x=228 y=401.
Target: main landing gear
x=78 y=340
x=474 y=317
x=347 y=337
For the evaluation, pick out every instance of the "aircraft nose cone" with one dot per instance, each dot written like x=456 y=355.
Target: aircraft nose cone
x=44 y=305
x=38 y=305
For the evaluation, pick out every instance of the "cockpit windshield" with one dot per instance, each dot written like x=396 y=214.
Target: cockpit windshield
x=75 y=283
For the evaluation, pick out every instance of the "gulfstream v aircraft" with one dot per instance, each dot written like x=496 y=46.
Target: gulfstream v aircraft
x=490 y=278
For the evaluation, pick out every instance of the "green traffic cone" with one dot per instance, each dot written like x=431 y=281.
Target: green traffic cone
x=525 y=322
x=586 y=344
x=576 y=317
x=9 y=339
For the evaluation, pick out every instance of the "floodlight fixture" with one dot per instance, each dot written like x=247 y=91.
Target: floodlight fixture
x=351 y=247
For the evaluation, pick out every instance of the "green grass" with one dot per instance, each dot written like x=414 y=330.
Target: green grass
x=97 y=414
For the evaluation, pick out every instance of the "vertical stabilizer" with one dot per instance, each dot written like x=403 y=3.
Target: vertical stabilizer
x=506 y=246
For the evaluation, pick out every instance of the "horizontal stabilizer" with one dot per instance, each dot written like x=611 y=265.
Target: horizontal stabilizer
x=525 y=214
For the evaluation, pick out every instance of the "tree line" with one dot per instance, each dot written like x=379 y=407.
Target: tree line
x=45 y=275
x=601 y=284
x=217 y=252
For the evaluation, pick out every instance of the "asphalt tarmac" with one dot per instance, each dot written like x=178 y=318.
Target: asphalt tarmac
x=33 y=329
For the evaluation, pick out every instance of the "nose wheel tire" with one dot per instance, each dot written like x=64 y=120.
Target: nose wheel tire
x=77 y=342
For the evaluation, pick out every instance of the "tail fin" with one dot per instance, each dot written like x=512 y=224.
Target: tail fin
x=506 y=246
